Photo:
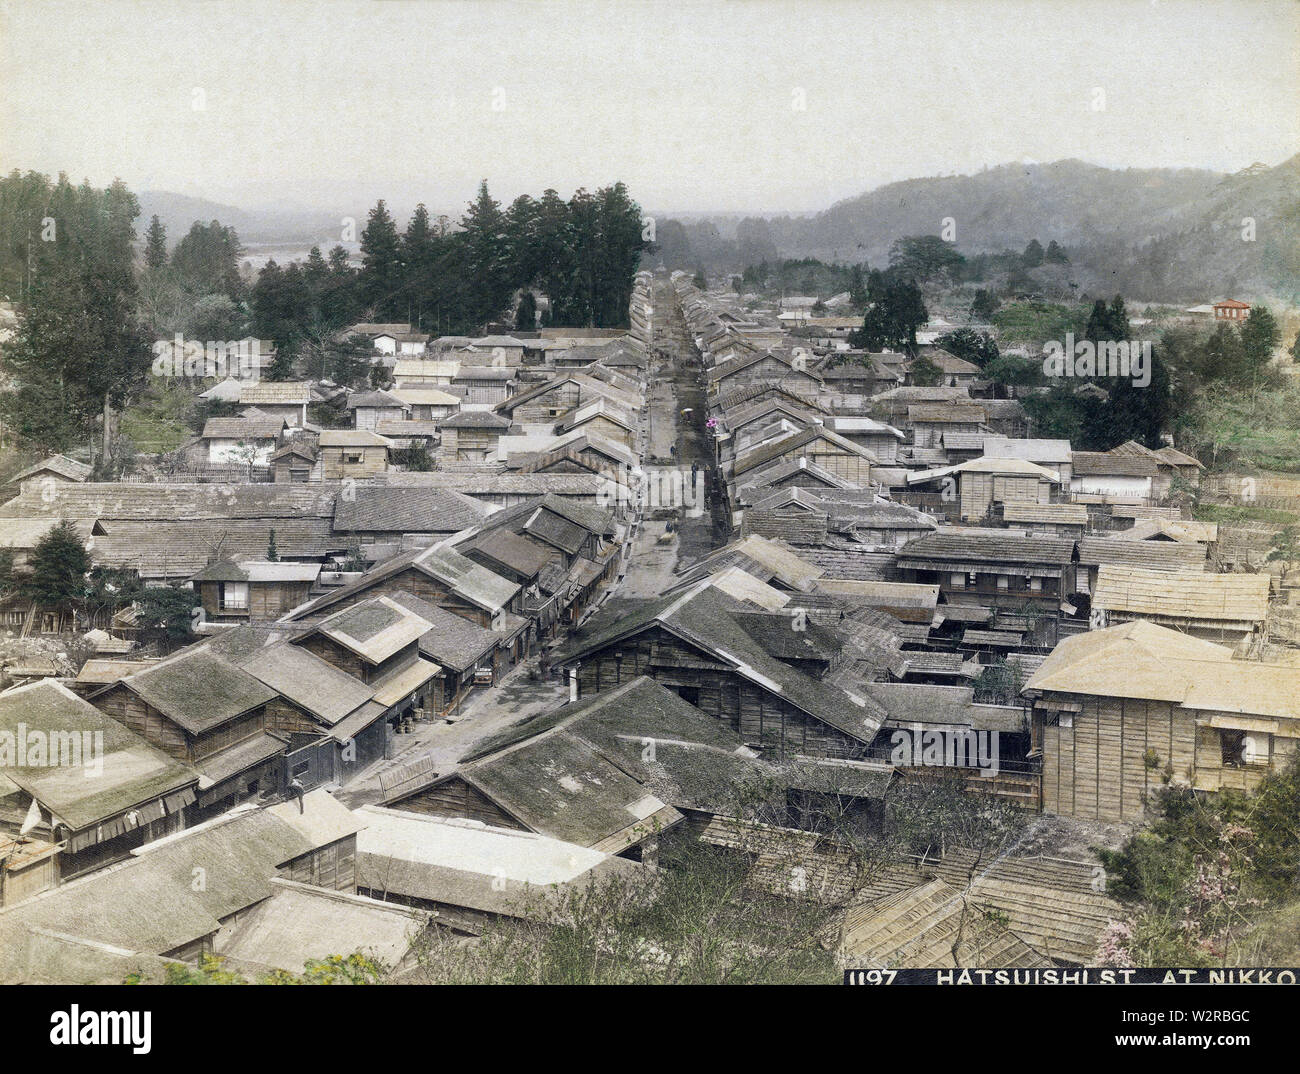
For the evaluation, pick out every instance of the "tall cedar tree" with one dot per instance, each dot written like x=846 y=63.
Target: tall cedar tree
x=382 y=273
x=155 y=244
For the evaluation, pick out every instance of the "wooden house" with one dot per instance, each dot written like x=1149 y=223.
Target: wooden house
x=151 y=909
x=929 y=422
x=55 y=469
x=992 y=567
x=877 y=437
x=484 y=384
x=601 y=418
x=297 y=462
x=1120 y=712
x=401 y=516
x=471 y=435
x=204 y=711
x=242 y=441
x=471 y=874
x=1225 y=608
x=352 y=453
x=278 y=399
x=691 y=643
x=425 y=403
x=370 y=408
x=424 y=372
x=237 y=591
x=444 y=577
x=969 y=490
x=81 y=782
x=1127 y=478
x=762 y=367
x=331 y=720
x=819 y=445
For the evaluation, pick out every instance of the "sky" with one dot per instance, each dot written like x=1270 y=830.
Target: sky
x=749 y=106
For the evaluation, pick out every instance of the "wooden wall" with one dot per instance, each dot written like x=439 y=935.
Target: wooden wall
x=455 y=797
x=761 y=718
x=1097 y=768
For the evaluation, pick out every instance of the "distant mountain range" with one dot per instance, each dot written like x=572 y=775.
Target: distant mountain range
x=254 y=226
x=1158 y=234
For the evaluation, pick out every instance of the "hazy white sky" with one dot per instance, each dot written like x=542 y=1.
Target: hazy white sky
x=693 y=104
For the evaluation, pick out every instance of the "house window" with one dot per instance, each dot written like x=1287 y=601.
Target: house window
x=1035 y=584
x=1004 y=582
x=234 y=596
x=300 y=769
x=689 y=694
x=352 y=458
x=958 y=580
x=1231 y=745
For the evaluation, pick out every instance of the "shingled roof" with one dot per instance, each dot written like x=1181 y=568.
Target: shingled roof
x=130 y=770
x=701 y=616
x=987 y=546
x=1184 y=597
x=406 y=510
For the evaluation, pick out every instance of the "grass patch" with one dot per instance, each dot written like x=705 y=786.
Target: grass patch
x=1035 y=322
x=1229 y=513
x=157 y=421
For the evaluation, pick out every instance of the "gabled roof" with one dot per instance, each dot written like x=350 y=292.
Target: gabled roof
x=1108 y=464
x=257 y=570
x=265 y=392
x=375 y=629
x=755 y=457
x=947 y=413
x=458 y=862
x=1046 y=452
x=974 y=545
x=771 y=558
x=987 y=465
x=1146 y=661
x=311 y=683
x=513 y=551
x=151 y=904
x=453 y=641
x=345 y=438
x=425 y=397
x=469 y=580
x=56 y=464
x=476 y=419
x=1163 y=556
x=198 y=690
x=376 y=399
x=265 y=428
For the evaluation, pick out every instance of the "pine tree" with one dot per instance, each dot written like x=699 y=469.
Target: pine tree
x=59 y=565
x=272 y=553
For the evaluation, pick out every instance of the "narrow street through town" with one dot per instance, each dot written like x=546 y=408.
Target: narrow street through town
x=669 y=535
